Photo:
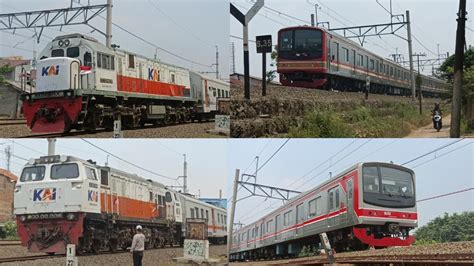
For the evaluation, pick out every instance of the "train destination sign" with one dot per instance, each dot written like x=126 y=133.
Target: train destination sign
x=264 y=44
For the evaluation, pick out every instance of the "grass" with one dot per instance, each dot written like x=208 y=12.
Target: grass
x=364 y=121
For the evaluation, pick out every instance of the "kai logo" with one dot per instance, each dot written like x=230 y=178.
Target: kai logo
x=50 y=71
x=44 y=194
x=93 y=196
x=153 y=74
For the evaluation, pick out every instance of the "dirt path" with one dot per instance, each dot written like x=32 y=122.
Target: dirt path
x=429 y=132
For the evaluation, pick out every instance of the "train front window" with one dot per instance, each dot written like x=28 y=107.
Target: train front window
x=72 y=52
x=300 y=44
x=64 y=171
x=35 y=173
x=388 y=186
x=57 y=53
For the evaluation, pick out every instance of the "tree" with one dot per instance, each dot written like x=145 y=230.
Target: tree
x=271 y=74
x=3 y=70
x=446 y=70
x=457 y=227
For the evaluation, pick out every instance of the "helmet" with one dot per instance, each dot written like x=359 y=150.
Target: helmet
x=139 y=227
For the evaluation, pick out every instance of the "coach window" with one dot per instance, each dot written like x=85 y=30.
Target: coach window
x=345 y=54
x=269 y=224
x=87 y=59
x=337 y=197
x=173 y=78
x=372 y=64
x=131 y=61
x=197 y=211
x=192 y=212
x=168 y=197
x=257 y=232
x=72 y=52
x=391 y=71
x=64 y=171
x=57 y=53
x=35 y=173
x=202 y=214
x=207 y=215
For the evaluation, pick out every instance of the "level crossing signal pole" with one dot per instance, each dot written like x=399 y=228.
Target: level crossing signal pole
x=244 y=20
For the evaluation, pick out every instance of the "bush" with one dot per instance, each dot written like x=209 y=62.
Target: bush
x=10 y=231
x=457 y=227
x=322 y=125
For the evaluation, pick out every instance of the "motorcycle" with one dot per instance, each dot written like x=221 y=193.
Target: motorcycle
x=437 y=121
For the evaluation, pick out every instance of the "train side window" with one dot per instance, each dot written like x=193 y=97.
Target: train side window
x=131 y=61
x=104 y=177
x=112 y=62
x=57 y=53
x=287 y=218
x=257 y=232
x=372 y=64
x=269 y=224
x=366 y=61
x=72 y=52
x=90 y=173
x=99 y=60
x=331 y=200
x=345 y=54
x=202 y=213
x=197 y=211
x=391 y=71
x=353 y=57
x=87 y=59
x=337 y=197
x=173 y=78
x=207 y=215
x=151 y=196
x=192 y=213
x=349 y=189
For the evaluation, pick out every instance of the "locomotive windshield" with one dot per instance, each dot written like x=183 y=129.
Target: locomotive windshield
x=35 y=173
x=388 y=187
x=64 y=171
x=300 y=44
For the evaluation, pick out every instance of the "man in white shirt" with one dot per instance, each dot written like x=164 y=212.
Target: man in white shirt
x=138 y=245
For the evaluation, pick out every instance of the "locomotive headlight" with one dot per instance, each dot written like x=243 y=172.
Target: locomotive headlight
x=23 y=218
x=70 y=216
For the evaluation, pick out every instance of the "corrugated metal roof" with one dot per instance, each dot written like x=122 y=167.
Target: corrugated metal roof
x=8 y=174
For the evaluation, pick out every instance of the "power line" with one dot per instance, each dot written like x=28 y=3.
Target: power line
x=169 y=148
x=28 y=148
x=178 y=25
x=433 y=151
x=442 y=155
x=123 y=160
x=445 y=195
x=273 y=155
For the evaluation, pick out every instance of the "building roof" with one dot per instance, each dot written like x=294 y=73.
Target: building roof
x=8 y=174
x=13 y=62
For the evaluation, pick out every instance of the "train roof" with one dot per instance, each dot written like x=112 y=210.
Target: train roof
x=223 y=82
x=193 y=199
x=332 y=179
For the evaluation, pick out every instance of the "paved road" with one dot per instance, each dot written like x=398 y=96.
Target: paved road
x=429 y=132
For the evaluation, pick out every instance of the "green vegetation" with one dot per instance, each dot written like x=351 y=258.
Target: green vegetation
x=457 y=227
x=364 y=121
x=3 y=70
x=309 y=251
x=9 y=231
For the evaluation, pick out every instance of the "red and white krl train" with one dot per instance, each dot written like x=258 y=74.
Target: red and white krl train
x=82 y=84
x=62 y=200
x=370 y=204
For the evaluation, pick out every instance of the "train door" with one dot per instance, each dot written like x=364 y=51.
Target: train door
x=104 y=183
x=349 y=199
x=332 y=206
x=353 y=61
x=169 y=206
x=335 y=57
x=213 y=220
x=299 y=218
x=277 y=224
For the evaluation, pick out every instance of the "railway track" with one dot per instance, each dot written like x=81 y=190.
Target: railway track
x=11 y=122
x=28 y=258
x=10 y=243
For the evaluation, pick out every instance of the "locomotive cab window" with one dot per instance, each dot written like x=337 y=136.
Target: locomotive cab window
x=300 y=44
x=87 y=59
x=35 y=173
x=90 y=173
x=104 y=177
x=168 y=197
x=72 y=52
x=64 y=171
x=57 y=53
x=131 y=61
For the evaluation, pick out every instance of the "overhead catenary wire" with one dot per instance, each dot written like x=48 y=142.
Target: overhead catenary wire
x=128 y=162
x=441 y=155
x=431 y=152
x=447 y=194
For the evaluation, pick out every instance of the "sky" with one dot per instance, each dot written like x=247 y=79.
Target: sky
x=433 y=22
x=448 y=170
x=188 y=28
x=207 y=159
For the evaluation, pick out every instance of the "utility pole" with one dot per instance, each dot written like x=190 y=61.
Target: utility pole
x=185 y=175
x=410 y=56
x=455 y=131
x=217 y=62
x=232 y=213
x=419 y=81
x=108 y=29
x=233 y=57
x=51 y=146
x=8 y=154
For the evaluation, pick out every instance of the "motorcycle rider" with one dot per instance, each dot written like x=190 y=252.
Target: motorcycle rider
x=437 y=110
